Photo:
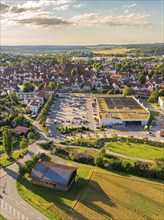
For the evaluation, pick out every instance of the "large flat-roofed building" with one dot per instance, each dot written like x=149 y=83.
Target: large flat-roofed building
x=53 y=175
x=119 y=109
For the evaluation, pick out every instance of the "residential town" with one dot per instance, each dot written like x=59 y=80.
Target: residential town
x=81 y=110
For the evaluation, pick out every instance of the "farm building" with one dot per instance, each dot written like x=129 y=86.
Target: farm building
x=119 y=109
x=53 y=175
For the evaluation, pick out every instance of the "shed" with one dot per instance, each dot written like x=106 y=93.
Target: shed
x=53 y=175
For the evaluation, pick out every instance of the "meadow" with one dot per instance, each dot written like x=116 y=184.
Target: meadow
x=113 y=51
x=144 y=151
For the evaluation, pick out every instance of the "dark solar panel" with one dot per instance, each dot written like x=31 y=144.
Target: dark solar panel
x=38 y=171
x=58 y=175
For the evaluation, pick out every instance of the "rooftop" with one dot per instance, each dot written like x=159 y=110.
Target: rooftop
x=20 y=129
x=121 y=107
x=53 y=172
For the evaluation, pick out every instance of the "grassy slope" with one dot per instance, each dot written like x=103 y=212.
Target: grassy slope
x=137 y=150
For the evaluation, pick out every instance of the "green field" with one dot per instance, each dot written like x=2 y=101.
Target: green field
x=109 y=196
x=144 y=151
x=113 y=51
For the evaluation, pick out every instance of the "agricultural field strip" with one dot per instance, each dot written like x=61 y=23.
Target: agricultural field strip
x=135 y=180
x=127 y=189
x=118 y=201
x=91 y=207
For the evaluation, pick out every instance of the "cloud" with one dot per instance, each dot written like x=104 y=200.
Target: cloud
x=44 y=20
x=78 y=6
x=35 y=6
x=94 y=19
x=4 y=7
x=61 y=8
x=126 y=11
x=130 y=6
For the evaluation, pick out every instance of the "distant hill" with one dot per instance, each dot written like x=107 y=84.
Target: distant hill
x=62 y=48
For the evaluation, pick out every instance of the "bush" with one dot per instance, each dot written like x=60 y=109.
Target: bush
x=28 y=165
x=82 y=158
x=31 y=135
x=98 y=161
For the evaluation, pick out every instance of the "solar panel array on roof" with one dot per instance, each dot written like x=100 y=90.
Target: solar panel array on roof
x=38 y=171
x=119 y=102
x=58 y=175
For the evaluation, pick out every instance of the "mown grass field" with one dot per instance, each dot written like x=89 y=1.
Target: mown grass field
x=109 y=196
x=113 y=51
x=144 y=151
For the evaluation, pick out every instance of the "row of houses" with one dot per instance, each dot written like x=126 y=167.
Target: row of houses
x=34 y=100
x=85 y=79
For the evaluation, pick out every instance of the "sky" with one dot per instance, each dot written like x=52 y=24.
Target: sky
x=80 y=22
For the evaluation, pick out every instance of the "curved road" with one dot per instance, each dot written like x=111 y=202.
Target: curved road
x=11 y=204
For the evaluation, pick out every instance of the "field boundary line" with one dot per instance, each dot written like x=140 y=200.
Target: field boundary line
x=147 y=181
x=121 y=203
x=78 y=198
x=131 y=190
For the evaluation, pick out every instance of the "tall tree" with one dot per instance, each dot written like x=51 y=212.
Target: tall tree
x=127 y=91
x=142 y=78
x=23 y=143
x=28 y=87
x=7 y=142
x=52 y=85
x=73 y=72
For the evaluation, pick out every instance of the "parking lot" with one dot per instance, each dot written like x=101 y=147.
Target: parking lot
x=72 y=110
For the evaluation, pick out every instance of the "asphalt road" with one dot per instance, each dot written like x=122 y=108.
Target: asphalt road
x=11 y=205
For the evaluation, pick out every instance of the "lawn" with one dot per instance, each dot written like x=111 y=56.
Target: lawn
x=144 y=151
x=109 y=196
x=15 y=156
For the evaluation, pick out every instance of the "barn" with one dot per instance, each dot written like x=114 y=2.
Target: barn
x=57 y=176
x=119 y=109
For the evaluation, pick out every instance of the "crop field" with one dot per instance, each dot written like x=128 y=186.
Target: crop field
x=113 y=51
x=109 y=196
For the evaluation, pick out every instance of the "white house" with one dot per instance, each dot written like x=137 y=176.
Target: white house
x=34 y=106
